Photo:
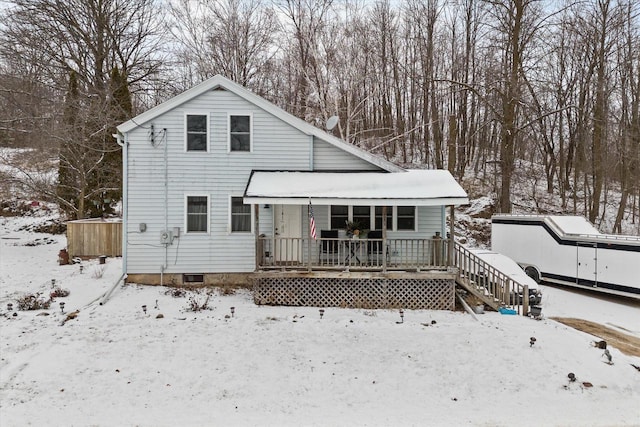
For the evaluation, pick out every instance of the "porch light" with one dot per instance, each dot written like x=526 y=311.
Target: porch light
x=267 y=206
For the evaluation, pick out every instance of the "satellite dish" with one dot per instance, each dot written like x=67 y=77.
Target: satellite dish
x=332 y=122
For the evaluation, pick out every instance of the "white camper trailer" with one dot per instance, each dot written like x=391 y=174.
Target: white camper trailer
x=568 y=250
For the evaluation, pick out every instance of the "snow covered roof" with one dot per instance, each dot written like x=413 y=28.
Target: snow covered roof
x=413 y=187
x=220 y=82
x=573 y=224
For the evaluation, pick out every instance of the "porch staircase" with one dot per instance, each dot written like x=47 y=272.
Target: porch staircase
x=480 y=292
x=480 y=279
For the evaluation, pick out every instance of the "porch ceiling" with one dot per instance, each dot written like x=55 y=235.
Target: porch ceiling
x=413 y=187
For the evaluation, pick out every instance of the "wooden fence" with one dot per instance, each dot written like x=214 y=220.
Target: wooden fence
x=90 y=238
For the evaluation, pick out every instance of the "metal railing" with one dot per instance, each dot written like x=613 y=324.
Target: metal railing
x=351 y=254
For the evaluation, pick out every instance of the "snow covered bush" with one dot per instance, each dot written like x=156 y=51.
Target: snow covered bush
x=33 y=302
x=58 y=292
x=198 y=303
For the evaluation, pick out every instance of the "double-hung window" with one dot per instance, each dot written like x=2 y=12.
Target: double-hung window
x=197 y=214
x=339 y=216
x=406 y=218
x=196 y=126
x=379 y=217
x=239 y=132
x=401 y=218
x=362 y=216
x=240 y=215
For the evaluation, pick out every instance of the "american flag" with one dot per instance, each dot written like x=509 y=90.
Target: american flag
x=312 y=223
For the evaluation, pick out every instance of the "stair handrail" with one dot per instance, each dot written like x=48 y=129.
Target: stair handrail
x=496 y=283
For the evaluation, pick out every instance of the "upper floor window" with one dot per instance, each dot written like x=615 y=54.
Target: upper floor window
x=240 y=215
x=239 y=132
x=406 y=218
x=196 y=130
x=197 y=214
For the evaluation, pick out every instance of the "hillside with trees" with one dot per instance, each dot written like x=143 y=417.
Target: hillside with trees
x=512 y=96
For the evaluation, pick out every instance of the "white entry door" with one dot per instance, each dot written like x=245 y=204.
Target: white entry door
x=587 y=268
x=288 y=230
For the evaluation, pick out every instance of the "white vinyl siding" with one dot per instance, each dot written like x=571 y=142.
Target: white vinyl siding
x=217 y=173
x=329 y=157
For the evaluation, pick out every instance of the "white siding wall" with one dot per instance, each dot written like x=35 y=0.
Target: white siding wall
x=329 y=157
x=216 y=173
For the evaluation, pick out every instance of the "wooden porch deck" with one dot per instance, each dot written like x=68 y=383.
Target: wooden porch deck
x=367 y=273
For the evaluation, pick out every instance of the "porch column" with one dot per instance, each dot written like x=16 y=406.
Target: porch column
x=256 y=228
x=452 y=232
x=384 y=238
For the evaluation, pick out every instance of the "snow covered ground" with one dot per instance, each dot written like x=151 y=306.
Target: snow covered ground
x=114 y=365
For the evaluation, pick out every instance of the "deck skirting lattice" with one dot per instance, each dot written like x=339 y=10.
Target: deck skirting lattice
x=432 y=294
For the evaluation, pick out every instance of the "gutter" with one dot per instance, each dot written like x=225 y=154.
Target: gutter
x=125 y=195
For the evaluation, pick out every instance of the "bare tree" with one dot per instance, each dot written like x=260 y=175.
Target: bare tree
x=89 y=38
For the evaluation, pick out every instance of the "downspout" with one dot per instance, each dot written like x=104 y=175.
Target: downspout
x=124 y=144
x=166 y=205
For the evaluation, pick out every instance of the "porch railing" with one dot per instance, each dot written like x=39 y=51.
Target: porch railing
x=351 y=254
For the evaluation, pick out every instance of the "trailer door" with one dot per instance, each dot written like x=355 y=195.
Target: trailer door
x=587 y=264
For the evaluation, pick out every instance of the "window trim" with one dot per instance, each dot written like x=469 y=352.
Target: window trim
x=186 y=213
x=230 y=218
x=239 y=113
x=185 y=133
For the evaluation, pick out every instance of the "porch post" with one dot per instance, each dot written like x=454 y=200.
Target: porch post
x=452 y=232
x=256 y=227
x=384 y=238
x=309 y=237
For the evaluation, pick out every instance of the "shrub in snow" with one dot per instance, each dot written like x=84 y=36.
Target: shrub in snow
x=98 y=272
x=58 y=292
x=198 y=303
x=176 y=292
x=33 y=302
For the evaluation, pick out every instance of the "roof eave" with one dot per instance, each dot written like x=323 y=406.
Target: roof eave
x=282 y=200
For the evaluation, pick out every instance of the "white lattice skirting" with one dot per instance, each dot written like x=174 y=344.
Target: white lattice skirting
x=431 y=294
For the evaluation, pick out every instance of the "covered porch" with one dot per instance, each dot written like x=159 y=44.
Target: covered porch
x=401 y=219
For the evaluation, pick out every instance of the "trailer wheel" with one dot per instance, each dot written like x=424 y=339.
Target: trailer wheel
x=533 y=272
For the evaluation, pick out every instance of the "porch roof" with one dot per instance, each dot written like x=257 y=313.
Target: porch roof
x=412 y=187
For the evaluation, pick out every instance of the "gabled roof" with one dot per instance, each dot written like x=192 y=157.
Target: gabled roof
x=218 y=81
x=433 y=187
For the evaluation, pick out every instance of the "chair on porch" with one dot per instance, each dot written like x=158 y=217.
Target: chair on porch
x=328 y=247
x=375 y=248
